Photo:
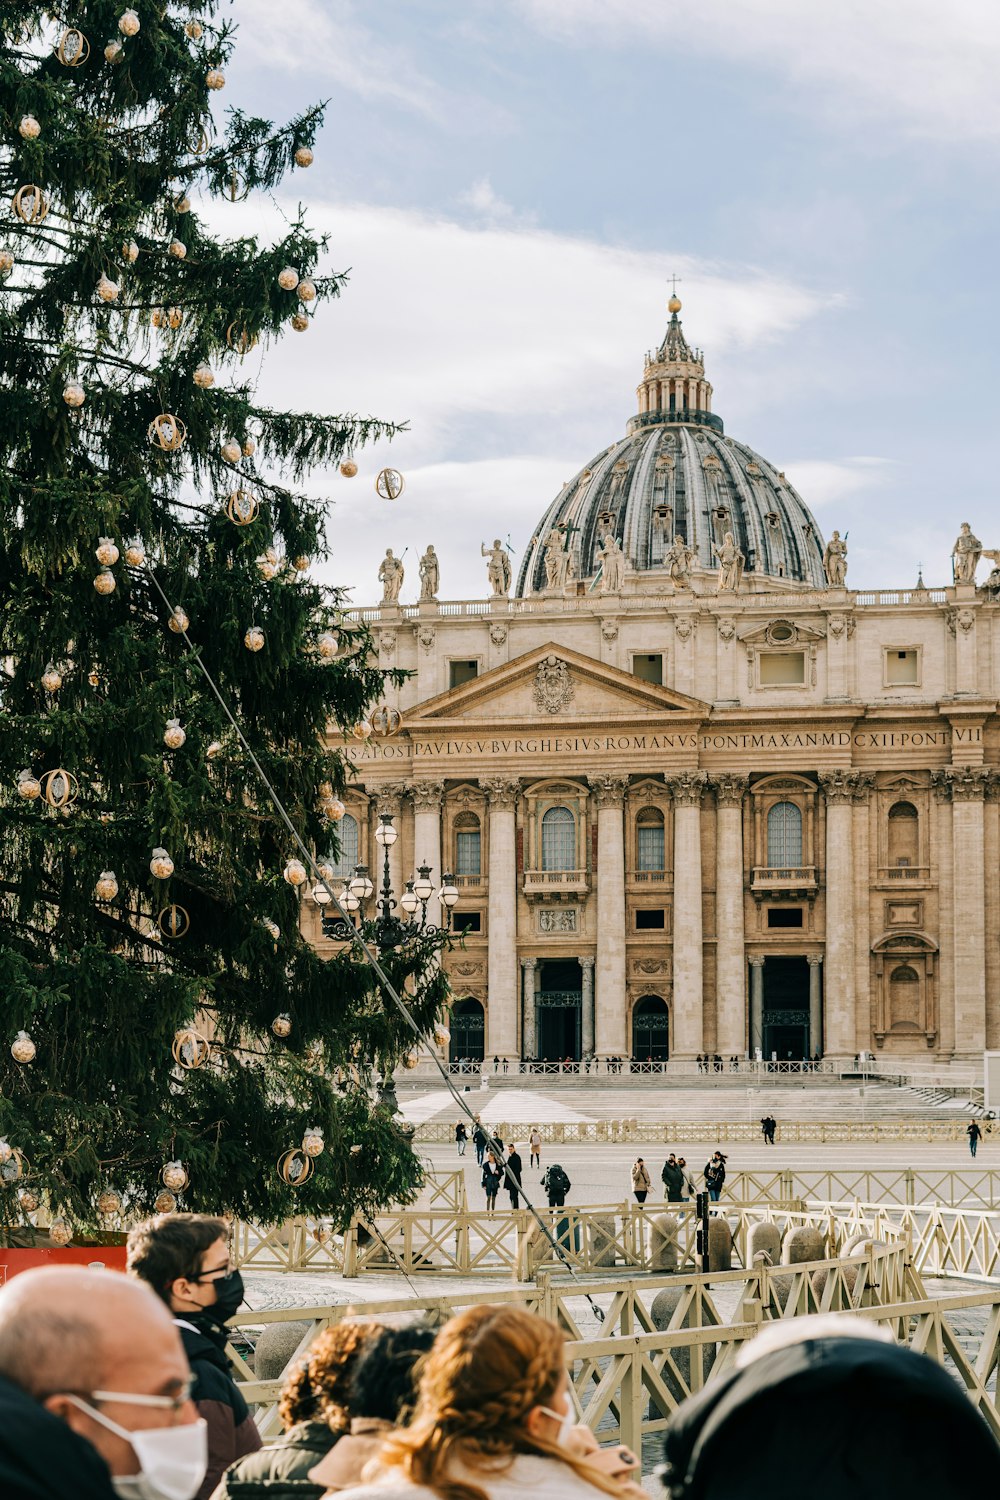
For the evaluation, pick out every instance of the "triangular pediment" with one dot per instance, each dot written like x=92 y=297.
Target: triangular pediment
x=554 y=685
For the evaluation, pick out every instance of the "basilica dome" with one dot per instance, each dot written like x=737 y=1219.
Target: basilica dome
x=677 y=474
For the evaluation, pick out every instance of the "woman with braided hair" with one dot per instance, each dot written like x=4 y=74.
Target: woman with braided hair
x=494 y=1421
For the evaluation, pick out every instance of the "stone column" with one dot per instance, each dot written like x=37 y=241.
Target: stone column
x=610 y=1018
x=529 y=969
x=730 y=956
x=815 y=962
x=502 y=792
x=968 y=786
x=756 y=1003
x=841 y=788
x=587 y=1019
x=427 y=836
x=688 y=1017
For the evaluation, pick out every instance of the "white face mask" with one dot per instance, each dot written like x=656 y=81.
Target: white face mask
x=172 y=1460
x=566 y=1419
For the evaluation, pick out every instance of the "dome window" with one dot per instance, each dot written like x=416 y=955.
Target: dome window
x=773 y=519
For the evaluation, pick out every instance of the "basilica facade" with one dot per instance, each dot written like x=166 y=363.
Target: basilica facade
x=696 y=792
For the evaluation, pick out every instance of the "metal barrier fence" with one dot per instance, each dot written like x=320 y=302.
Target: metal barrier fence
x=704 y=1132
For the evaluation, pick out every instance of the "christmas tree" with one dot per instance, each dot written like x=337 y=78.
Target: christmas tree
x=166 y=1033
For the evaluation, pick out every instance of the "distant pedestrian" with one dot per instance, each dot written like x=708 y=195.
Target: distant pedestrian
x=461 y=1137
x=556 y=1185
x=715 y=1176
x=491 y=1179
x=513 y=1171
x=496 y=1062
x=506 y=1064
x=479 y=1141
x=688 y=1189
x=672 y=1178
x=772 y=1126
x=641 y=1180
x=535 y=1143
x=975 y=1136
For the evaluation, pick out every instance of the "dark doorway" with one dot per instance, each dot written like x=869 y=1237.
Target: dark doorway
x=558 y=1010
x=468 y=1032
x=786 y=1008
x=650 y=1030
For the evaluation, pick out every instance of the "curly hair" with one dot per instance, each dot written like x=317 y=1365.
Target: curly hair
x=488 y=1368
x=318 y=1388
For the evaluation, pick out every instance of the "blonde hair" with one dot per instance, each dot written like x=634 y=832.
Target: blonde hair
x=488 y=1368
x=318 y=1388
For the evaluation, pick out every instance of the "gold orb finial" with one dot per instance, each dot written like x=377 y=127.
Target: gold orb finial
x=674 y=305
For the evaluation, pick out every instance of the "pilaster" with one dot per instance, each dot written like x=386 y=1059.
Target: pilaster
x=502 y=793
x=842 y=788
x=426 y=797
x=688 y=1018
x=730 y=955
x=610 y=1010
x=967 y=786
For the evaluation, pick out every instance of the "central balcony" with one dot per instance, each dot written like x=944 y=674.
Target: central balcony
x=783 y=880
x=555 y=885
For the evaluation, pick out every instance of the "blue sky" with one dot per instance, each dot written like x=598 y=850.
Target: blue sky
x=513 y=182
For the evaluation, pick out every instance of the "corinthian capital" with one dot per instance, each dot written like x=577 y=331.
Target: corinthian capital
x=501 y=790
x=426 y=794
x=962 y=783
x=388 y=798
x=687 y=787
x=608 y=790
x=729 y=788
x=846 y=786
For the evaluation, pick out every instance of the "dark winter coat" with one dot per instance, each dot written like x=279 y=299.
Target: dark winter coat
x=280 y=1472
x=514 y=1168
x=673 y=1181
x=231 y=1430
x=41 y=1458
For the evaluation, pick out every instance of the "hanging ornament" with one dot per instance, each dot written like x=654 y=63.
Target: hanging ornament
x=304 y=157
x=385 y=721
x=13 y=1166
x=215 y=78
x=191 y=1049
x=267 y=565
x=74 y=394
x=389 y=484
x=30 y=204
x=161 y=866
x=322 y=1235
x=60 y=1232
x=174 y=1176
x=214 y=749
x=193 y=29
x=164 y=1202
x=128 y=23
x=167 y=432
x=254 y=638
x=166 y=317
x=130 y=252
x=242 y=508
x=236 y=188
x=239 y=337
x=6 y=262
x=107 y=289
x=107 y=553
x=29 y=128
x=203 y=376
x=72 y=48
x=106 y=888
x=362 y=730
x=356 y=1150
x=114 y=51
x=294 y=1167
x=94 y=678
x=249 y=447
x=442 y=1035
x=202 y=144
x=300 y=322
x=231 y=451
x=28 y=786
x=23 y=1049
x=60 y=788
x=135 y=555
x=301 y=563
x=348 y=468
x=334 y=809
x=294 y=872
x=177 y=249
x=27 y=1200
x=282 y=1024
x=173 y=735
x=313 y=1142
x=271 y=926
x=288 y=279
x=182 y=204
x=173 y=921
x=109 y=1202
x=306 y=291
x=105 y=582
x=178 y=621
x=328 y=645
x=51 y=679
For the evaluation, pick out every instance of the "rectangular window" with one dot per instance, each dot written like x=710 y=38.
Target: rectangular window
x=467 y=853
x=782 y=668
x=784 y=916
x=467 y=921
x=650 y=920
x=648 y=667
x=462 y=671
x=650 y=848
x=902 y=667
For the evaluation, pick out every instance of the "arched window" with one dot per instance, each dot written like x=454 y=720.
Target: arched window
x=468 y=845
x=650 y=1030
x=347 y=837
x=904 y=999
x=904 y=834
x=558 y=839
x=649 y=841
x=784 y=835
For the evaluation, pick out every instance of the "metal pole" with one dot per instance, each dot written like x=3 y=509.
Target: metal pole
x=701 y=1244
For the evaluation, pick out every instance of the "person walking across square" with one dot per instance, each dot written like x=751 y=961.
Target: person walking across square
x=491 y=1179
x=673 y=1179
x=975 y=1136
x=513 y=1172
x=641 y=1180
x=535 y=1144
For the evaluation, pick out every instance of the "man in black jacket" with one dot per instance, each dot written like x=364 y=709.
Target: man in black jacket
x=185 y=1259
x=673 y=1179
x=513 y=1181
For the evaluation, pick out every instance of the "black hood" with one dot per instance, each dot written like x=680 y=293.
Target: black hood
x=41 y=1458
x=831 y=1419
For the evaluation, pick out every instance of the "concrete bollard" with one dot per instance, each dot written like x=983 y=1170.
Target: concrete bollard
x=601 y=1130
x=801 y=1244
x=766 y=1238
x=275 y=1347
x=664 y=1305
x=720 y=1245
x=602 y=1240
x=664 y=1230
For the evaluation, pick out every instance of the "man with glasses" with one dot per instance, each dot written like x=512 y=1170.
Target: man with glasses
x=94 y=1392
x=185 y=1259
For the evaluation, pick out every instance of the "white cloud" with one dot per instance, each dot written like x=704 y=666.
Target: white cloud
x=823 y=482
x=930 y=68
x=489 y=206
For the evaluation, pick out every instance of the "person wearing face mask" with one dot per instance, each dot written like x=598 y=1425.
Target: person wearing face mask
x=94 y=1392
x=185 y=1259
x=494 y=1420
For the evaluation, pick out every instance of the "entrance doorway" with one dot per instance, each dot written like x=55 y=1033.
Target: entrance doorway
x=559 y=1010
x=468 y=1032
x=786 y=1008
x=650 y=1030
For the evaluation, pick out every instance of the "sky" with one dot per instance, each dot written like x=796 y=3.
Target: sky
x=512 y=183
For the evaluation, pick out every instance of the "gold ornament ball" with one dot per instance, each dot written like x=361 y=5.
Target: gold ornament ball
x=282 y=1024
x=334 y=809
x=6 y=262
x=182 y=204
x=23 y=1049
x=240 y=338
x=177 y=249
x=203 y=376
x=128 y=23
x=254 y=638
x=288 y=279
x=51 y=679
x=114 y=51
x=193 y=29
x=231 y=451
x=107 y=553
x=175 y=317
x=130 y=252
x=214 y=749
x=28 y=786
x=173 y=922
x=328 y=645
x=304 y=157
x=158 y=317
x=161 y=866
x=94 y=678
x=312 y=1142
x=28 y=1200
x=356 y=1150
x=59 y=787
x=60 y=1232
x=306 y=290
x=362 y=730
x=174 y=1176
x=167 y=432
x=242 y=507
x=30 y=204
x=106 y=888
x=301 y=563
x=215 y=78
x=107 y=289
x=72 y=48
x=135 y=555
x=295 y=872
x=190 y=1049
x=389 y=484
x=165 y=1203
x=300 y=322
x=108 y=1202
x=348 y=468
x=74 y=394
x=178 y=621
x=173 y=735
x=105 y=583
x=249 y=447
x=267 y=564
x=29 y=128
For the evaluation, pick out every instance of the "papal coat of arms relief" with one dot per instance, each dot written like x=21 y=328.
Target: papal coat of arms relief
x=553 y=685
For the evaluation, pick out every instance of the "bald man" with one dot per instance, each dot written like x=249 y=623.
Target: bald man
x=94 y=1391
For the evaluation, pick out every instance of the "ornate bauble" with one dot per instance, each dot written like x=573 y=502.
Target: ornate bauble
x=267 y=564
x=312 y=1142
x=242 y=508
x=282 y=1024
x=215 y=78
x=30 y=204
x=73 y=393
x=60 y=1232
x=106 y=888
x=165 y=1203
x=6 y=262
x=27 y=1200
x=304 y=157
x=301 y=564
x=6 y=1150
x=203 y=376
x=288 y=279
x=334 y=809
x=362 y=730
x=178 y=621
x=29 y=128
x=94 y=678
x=214 y=749
x=300 y=322
x=410 y=1060
x=161 y=866
x=348 y=468
x=173 y=921
x=389 y=484
x=128 y=23
x=177 y=249
x=294 y=1167
x=306 y=290
x=107 y=289
x=135 y=555
x=72 y=48
x=202 y=144
x=167 y=432
x=295 y=872
x=193 y=29
x=23 y=1049
x=114 y=51
x=231 y=451
x=249 y=447
x=105 y=582
x=328 y=644
x=356 y=1150
x=174 y=1176
x=385 y=721
x=109 y=1202
x=271 y=926
x=130 y=252
x=106 y=552
x=60 y=788
x=236 y=188
x=190 y=1049
x=51 y=679
x=28 y=786
x=175 y=317
x=442 y=1035
x=182 y=204
x=239 y=337
x=254 y=638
